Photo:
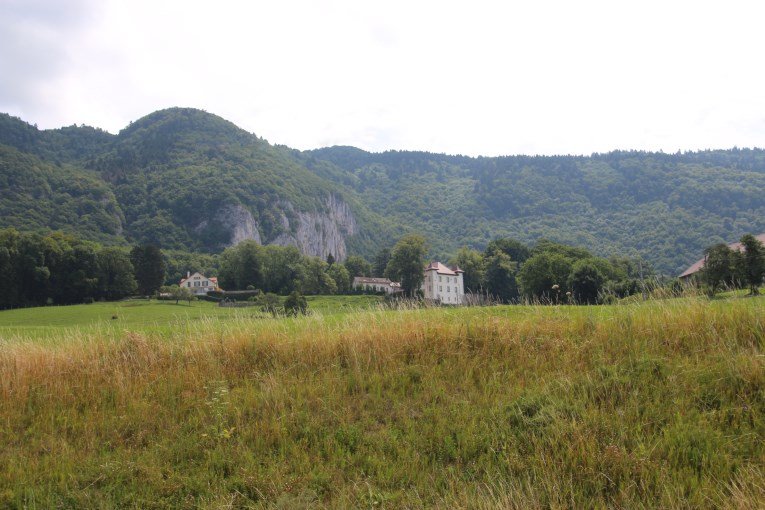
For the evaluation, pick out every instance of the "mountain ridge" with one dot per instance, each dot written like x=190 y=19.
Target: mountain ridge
x=193 y=180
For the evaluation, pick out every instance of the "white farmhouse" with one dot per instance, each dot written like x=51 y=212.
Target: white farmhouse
x=198 y=283
x=376 y=285
x=443 y=285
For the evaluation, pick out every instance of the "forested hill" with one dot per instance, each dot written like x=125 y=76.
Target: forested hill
x=187 y=179
x=665 y=207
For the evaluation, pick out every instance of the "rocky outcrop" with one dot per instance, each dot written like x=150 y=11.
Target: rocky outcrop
x=319 y=233
x=239 y=221
x=316 y=233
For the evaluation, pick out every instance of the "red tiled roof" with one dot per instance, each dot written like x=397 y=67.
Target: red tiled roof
x=699 y=264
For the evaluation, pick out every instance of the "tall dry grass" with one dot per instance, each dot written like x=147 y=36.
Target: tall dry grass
x=657 y=404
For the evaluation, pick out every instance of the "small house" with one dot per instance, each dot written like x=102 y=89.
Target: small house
x=198 y=283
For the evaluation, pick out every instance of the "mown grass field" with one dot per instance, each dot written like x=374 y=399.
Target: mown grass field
x=649 y=405
x=148 y=316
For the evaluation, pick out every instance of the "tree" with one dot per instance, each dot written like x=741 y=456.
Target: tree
x=342 y=279
x=718 y=267
x=541 y=273
x=268 y=303
x=115 y=274
x=182 y=293
x=472 y=262
x=330 y=260
x=357 y=266
x=380 y=262
x=586 y=281
x=241 y=266
x=149 y=266
x=516 y=250
x=282 y=268
x=295 y=304
x=752 y=262
x=500 y=277
x=407 y=263
x=315 y=279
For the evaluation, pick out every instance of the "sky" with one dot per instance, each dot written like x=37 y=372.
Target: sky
x=473 y=78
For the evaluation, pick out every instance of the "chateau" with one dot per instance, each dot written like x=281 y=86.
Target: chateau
x=443 y=284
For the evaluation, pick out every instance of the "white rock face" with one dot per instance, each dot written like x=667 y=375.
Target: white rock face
x=239 y=221
x=313 y=233
x=319 y=233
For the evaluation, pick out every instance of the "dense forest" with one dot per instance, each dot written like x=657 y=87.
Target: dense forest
x=189 y=181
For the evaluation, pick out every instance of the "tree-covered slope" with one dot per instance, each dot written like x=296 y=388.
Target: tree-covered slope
x=190 y=180
x=186 y=179
x=39 y=196
x=667 y=208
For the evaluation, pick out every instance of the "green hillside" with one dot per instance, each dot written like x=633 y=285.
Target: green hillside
x=666 y=208
x=190 y=180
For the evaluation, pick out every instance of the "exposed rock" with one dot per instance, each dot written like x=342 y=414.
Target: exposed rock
x=319 y=233
x=239 y=221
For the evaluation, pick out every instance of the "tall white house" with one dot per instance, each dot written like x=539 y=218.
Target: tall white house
x=443 y=284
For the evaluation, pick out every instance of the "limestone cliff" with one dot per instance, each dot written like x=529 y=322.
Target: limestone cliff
x=316 y=233
x=239 y=222
x=319 y=233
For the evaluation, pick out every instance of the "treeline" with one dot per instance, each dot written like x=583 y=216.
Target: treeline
x=63 y=269
x=509 y=271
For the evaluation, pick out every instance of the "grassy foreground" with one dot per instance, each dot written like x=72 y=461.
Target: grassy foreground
x=659 y=404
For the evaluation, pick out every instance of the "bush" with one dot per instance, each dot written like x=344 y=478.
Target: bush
x=295 y=304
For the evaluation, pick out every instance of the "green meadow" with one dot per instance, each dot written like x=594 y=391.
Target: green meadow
x=657 y=404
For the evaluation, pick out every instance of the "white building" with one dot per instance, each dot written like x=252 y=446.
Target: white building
x=376 y=284
x=443 y=285
x=198 y=283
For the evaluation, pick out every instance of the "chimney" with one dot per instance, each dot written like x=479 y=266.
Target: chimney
x=188 y=274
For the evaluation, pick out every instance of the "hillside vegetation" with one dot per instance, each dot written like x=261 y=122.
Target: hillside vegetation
x=665 y=208
x=659 y=404
x=190 y=180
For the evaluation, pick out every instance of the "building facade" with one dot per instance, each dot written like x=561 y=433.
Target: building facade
x=376 y=285
x=443 y=285
x=199 y=284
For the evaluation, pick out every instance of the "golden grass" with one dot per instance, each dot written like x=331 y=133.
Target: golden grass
x=659 y=404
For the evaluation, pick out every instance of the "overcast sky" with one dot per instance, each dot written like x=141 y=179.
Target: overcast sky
x=488 y=78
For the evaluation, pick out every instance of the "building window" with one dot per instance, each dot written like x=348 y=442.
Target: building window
x=448 y=289
x=439 y=278
x=188 y=284
x=440 y=289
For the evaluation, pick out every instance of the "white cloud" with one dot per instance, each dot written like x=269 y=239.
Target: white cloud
x=483 y=78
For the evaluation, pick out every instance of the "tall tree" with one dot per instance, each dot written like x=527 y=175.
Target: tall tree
x=115 y=274
x=380 y=262
x=315 y=279
x=149 y=266
x=342 y=279
x=718 y=267
x=516 y=250
x=586 y=281
x=753 y=262
x=472 y=262
x=330 y=260
x=500 y=279
x=241 y=266
x=357 y=266
x=544 y=276
x=407 y=263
